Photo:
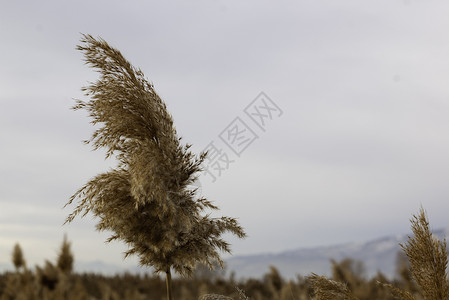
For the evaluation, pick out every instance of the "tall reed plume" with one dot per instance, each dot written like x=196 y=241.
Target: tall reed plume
x=147 y=200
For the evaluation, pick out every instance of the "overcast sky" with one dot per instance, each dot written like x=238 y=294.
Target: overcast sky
x=357 y=139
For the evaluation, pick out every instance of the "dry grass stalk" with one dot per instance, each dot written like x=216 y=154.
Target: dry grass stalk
x=17 y=257
x=398 y=293
x=428 y=258
x=327 y=289
x=65 y=257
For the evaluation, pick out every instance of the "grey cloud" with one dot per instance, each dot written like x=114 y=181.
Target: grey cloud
x=363 y=88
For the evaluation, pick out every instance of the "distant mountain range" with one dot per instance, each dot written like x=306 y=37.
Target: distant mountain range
x=376 y=255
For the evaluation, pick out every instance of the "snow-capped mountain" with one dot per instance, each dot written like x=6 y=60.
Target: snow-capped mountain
x=376 y=255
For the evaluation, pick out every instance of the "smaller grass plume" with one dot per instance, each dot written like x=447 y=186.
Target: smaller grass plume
x=428 y=259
